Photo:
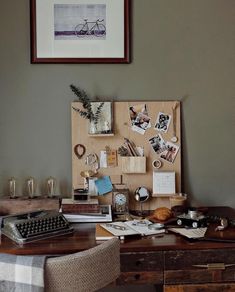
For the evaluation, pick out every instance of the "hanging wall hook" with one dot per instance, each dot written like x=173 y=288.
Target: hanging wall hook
x=79 y=150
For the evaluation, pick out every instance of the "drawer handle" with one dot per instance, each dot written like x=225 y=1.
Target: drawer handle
x=214 y=266
x=137 y=277
x=139 y=262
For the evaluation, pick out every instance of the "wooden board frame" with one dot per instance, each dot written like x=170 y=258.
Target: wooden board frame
x=122 y=128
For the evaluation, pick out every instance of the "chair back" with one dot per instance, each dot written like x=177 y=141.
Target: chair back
x=84 y=271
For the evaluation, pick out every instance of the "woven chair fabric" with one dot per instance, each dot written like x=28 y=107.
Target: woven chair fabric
x=84 y=271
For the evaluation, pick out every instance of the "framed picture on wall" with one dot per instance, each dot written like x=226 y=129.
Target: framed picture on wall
x=80 y=31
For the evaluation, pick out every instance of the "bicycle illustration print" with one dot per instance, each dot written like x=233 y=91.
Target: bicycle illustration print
x=90 y=28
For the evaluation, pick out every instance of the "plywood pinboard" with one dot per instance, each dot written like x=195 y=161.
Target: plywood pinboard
x=122 y=128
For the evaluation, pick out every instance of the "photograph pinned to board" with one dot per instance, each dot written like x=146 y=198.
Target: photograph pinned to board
x=140 y=120
x=158 y=144
x=162 y=122
x=170 y=153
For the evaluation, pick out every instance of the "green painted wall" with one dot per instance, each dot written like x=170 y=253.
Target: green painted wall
x=182 y=48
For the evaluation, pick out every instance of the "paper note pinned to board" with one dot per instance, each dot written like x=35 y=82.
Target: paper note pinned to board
x=108 y=158
x=112 y=158
x=164 y=183
x=103 y=159
x=104 y=185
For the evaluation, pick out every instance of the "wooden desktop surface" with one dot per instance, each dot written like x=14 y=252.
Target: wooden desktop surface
x=84 y=238
x=167 y=259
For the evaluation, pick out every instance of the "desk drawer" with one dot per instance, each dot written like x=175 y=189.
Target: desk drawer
x=140 y=278
x=199 y=266
x=141 y=268
x=151 y=261
x=229 y=287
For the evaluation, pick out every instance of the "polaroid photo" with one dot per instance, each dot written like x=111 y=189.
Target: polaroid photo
x=162 y=122
x=170 y=153
x=140 y=121
x=158 y=144
x=135 y=109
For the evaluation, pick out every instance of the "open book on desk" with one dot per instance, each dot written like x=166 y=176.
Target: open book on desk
x=193 y=233
x=130 y=228
x=102 y=234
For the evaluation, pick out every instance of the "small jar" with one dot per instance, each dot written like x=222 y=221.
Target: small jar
x=178 y=200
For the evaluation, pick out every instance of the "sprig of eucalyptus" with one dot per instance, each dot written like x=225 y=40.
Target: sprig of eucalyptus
x=87 y=113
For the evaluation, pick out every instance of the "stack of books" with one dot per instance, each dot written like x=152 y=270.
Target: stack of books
x=86 y=211
x=70 y=206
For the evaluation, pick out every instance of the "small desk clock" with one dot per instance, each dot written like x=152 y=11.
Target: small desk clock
x=120 y=201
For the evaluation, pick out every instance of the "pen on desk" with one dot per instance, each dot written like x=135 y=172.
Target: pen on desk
x=92 y=214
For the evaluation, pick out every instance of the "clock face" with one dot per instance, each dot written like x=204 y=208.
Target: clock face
x=120 y=199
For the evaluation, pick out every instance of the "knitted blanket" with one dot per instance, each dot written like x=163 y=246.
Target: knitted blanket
x=21 y=273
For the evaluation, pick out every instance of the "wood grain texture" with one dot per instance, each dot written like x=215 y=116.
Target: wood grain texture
x=225 y=287
x=22 y=205
x=136 y=278
x=142 y=261
x=180 y=266
x=122 y=129
x=165 y=260
x=84 y=238
x=133 y=165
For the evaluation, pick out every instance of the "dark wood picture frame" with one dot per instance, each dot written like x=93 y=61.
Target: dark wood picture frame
x=35 y=58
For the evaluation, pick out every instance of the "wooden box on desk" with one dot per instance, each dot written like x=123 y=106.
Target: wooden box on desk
x=10 y=206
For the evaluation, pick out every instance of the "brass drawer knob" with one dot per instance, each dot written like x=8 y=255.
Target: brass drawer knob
x=214 y=266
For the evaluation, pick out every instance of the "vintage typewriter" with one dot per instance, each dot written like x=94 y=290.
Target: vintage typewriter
x=27 y=227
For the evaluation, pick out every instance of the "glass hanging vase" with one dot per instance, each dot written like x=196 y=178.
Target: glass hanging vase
x=93 y=128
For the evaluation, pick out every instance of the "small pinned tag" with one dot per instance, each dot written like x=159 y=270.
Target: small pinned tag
x=111 y=157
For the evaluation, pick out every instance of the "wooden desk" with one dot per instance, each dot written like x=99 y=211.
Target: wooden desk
x=161 y=260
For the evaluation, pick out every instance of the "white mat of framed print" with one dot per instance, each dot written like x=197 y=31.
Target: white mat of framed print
x=80 y=31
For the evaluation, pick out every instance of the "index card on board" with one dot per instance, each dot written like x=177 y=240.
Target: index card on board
x=103 y=185
x=163 y=183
